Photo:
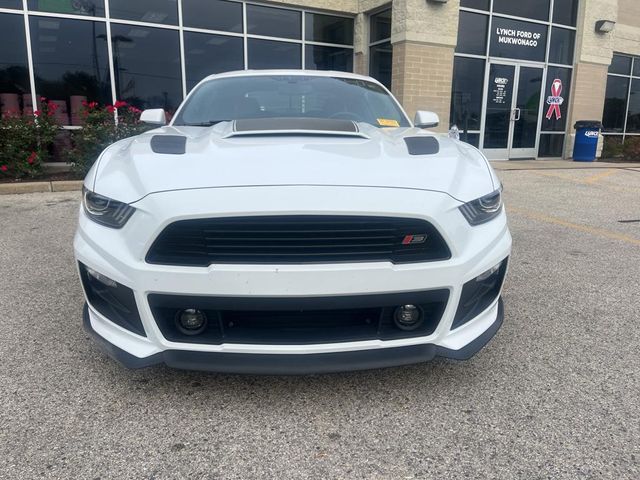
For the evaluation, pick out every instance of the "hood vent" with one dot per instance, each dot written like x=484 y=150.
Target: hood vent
x=169 y=144
x=295 y=126
x=422 y=145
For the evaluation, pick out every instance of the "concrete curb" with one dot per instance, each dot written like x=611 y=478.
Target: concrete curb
x=39 y=187
x=514 y=165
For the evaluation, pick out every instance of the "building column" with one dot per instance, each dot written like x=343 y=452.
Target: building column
x=423 y=36
x=361 y=44
x=593 y=57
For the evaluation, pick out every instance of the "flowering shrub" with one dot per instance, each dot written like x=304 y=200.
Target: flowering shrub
x=100 y=130
x=25 y=141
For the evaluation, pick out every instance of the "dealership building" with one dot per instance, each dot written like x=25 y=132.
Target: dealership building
x=513 y=76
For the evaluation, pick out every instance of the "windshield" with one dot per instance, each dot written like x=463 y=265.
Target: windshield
x=297 y=96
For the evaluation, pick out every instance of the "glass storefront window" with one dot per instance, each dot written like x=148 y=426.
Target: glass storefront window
x=561 y=77
x=515 y=114
x=15 y=93
x=633 y=112
x=15 y=4
x=380 y=58
x=467 y=92
x=472 y=33
x=615 y=104
x=328 y=58
x=198 y=14
x=565 y=12
x=328 y=29
x=265 y=54
x=534 y=9
x=380 y=26
x=274 y=22
x=70 y=58
x=620 y=64
x=152 y=11
x=562 y=46
x=84 y=7
x=518 y=40
x=206 y=54
x=551 y=146
x=144 y=78
x=477 y=4
x=470 y=138
x=380 y=49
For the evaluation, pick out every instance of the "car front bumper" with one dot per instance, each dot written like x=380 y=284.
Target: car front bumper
x=289 y=364
x=120 y=255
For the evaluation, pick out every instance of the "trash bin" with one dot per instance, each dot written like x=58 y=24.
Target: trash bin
x=586 y=144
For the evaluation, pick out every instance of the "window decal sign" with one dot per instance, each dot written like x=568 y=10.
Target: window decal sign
x=500 y=90
x=555 y=100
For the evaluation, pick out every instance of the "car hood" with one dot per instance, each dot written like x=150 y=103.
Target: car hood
x=218 y=156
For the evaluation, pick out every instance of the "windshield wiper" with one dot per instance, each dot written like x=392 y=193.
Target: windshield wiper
x=203 y=124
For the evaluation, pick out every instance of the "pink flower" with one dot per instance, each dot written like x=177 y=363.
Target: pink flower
x=120 y=104
x=32 y=158
x=3 y=168
x=93 y=104
x=37 y=113
x=110 y=108
x=43 y=99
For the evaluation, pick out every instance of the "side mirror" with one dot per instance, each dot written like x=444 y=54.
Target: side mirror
x=424 y=119
x=153 y=116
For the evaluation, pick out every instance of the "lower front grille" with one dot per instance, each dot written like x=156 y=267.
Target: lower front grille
x=293 y=321
x=297 y=239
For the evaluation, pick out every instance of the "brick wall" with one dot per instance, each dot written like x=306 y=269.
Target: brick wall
x=421 y=78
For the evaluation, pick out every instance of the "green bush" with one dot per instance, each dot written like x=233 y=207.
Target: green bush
x=26 y=141
x=100 y=130
x=615 y=149
x=631 y=150
x=612 y=147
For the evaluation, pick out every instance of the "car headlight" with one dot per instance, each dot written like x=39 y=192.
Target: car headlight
x=483 y=209
x=105 y=211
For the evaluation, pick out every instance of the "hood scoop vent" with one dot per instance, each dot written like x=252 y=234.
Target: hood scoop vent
x=169 y=144
x=422 y=145
x=295 y=126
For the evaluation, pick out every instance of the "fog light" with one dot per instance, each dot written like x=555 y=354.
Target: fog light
x=191 y=321
x=101 y=278
x=408 y=317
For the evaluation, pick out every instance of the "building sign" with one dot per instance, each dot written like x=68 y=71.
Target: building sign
x=518 y=40
x=555 y=100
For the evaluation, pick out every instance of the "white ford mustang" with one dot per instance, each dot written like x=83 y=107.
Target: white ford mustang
x=291 y=222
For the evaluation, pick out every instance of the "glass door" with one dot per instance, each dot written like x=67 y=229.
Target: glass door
x=499 y=111
x=512 y=111
x=526 y=113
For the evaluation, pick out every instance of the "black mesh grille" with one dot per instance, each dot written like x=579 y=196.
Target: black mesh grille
x=297 y=239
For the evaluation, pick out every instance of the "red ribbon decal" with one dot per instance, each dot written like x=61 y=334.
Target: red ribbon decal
x=555 y=100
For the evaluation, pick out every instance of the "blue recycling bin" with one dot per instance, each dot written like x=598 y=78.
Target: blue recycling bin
x=586 y=144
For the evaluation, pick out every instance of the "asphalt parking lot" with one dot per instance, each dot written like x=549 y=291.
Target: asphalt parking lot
x=554 y=395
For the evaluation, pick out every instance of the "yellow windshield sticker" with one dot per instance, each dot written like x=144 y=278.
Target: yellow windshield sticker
x=386 y=122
